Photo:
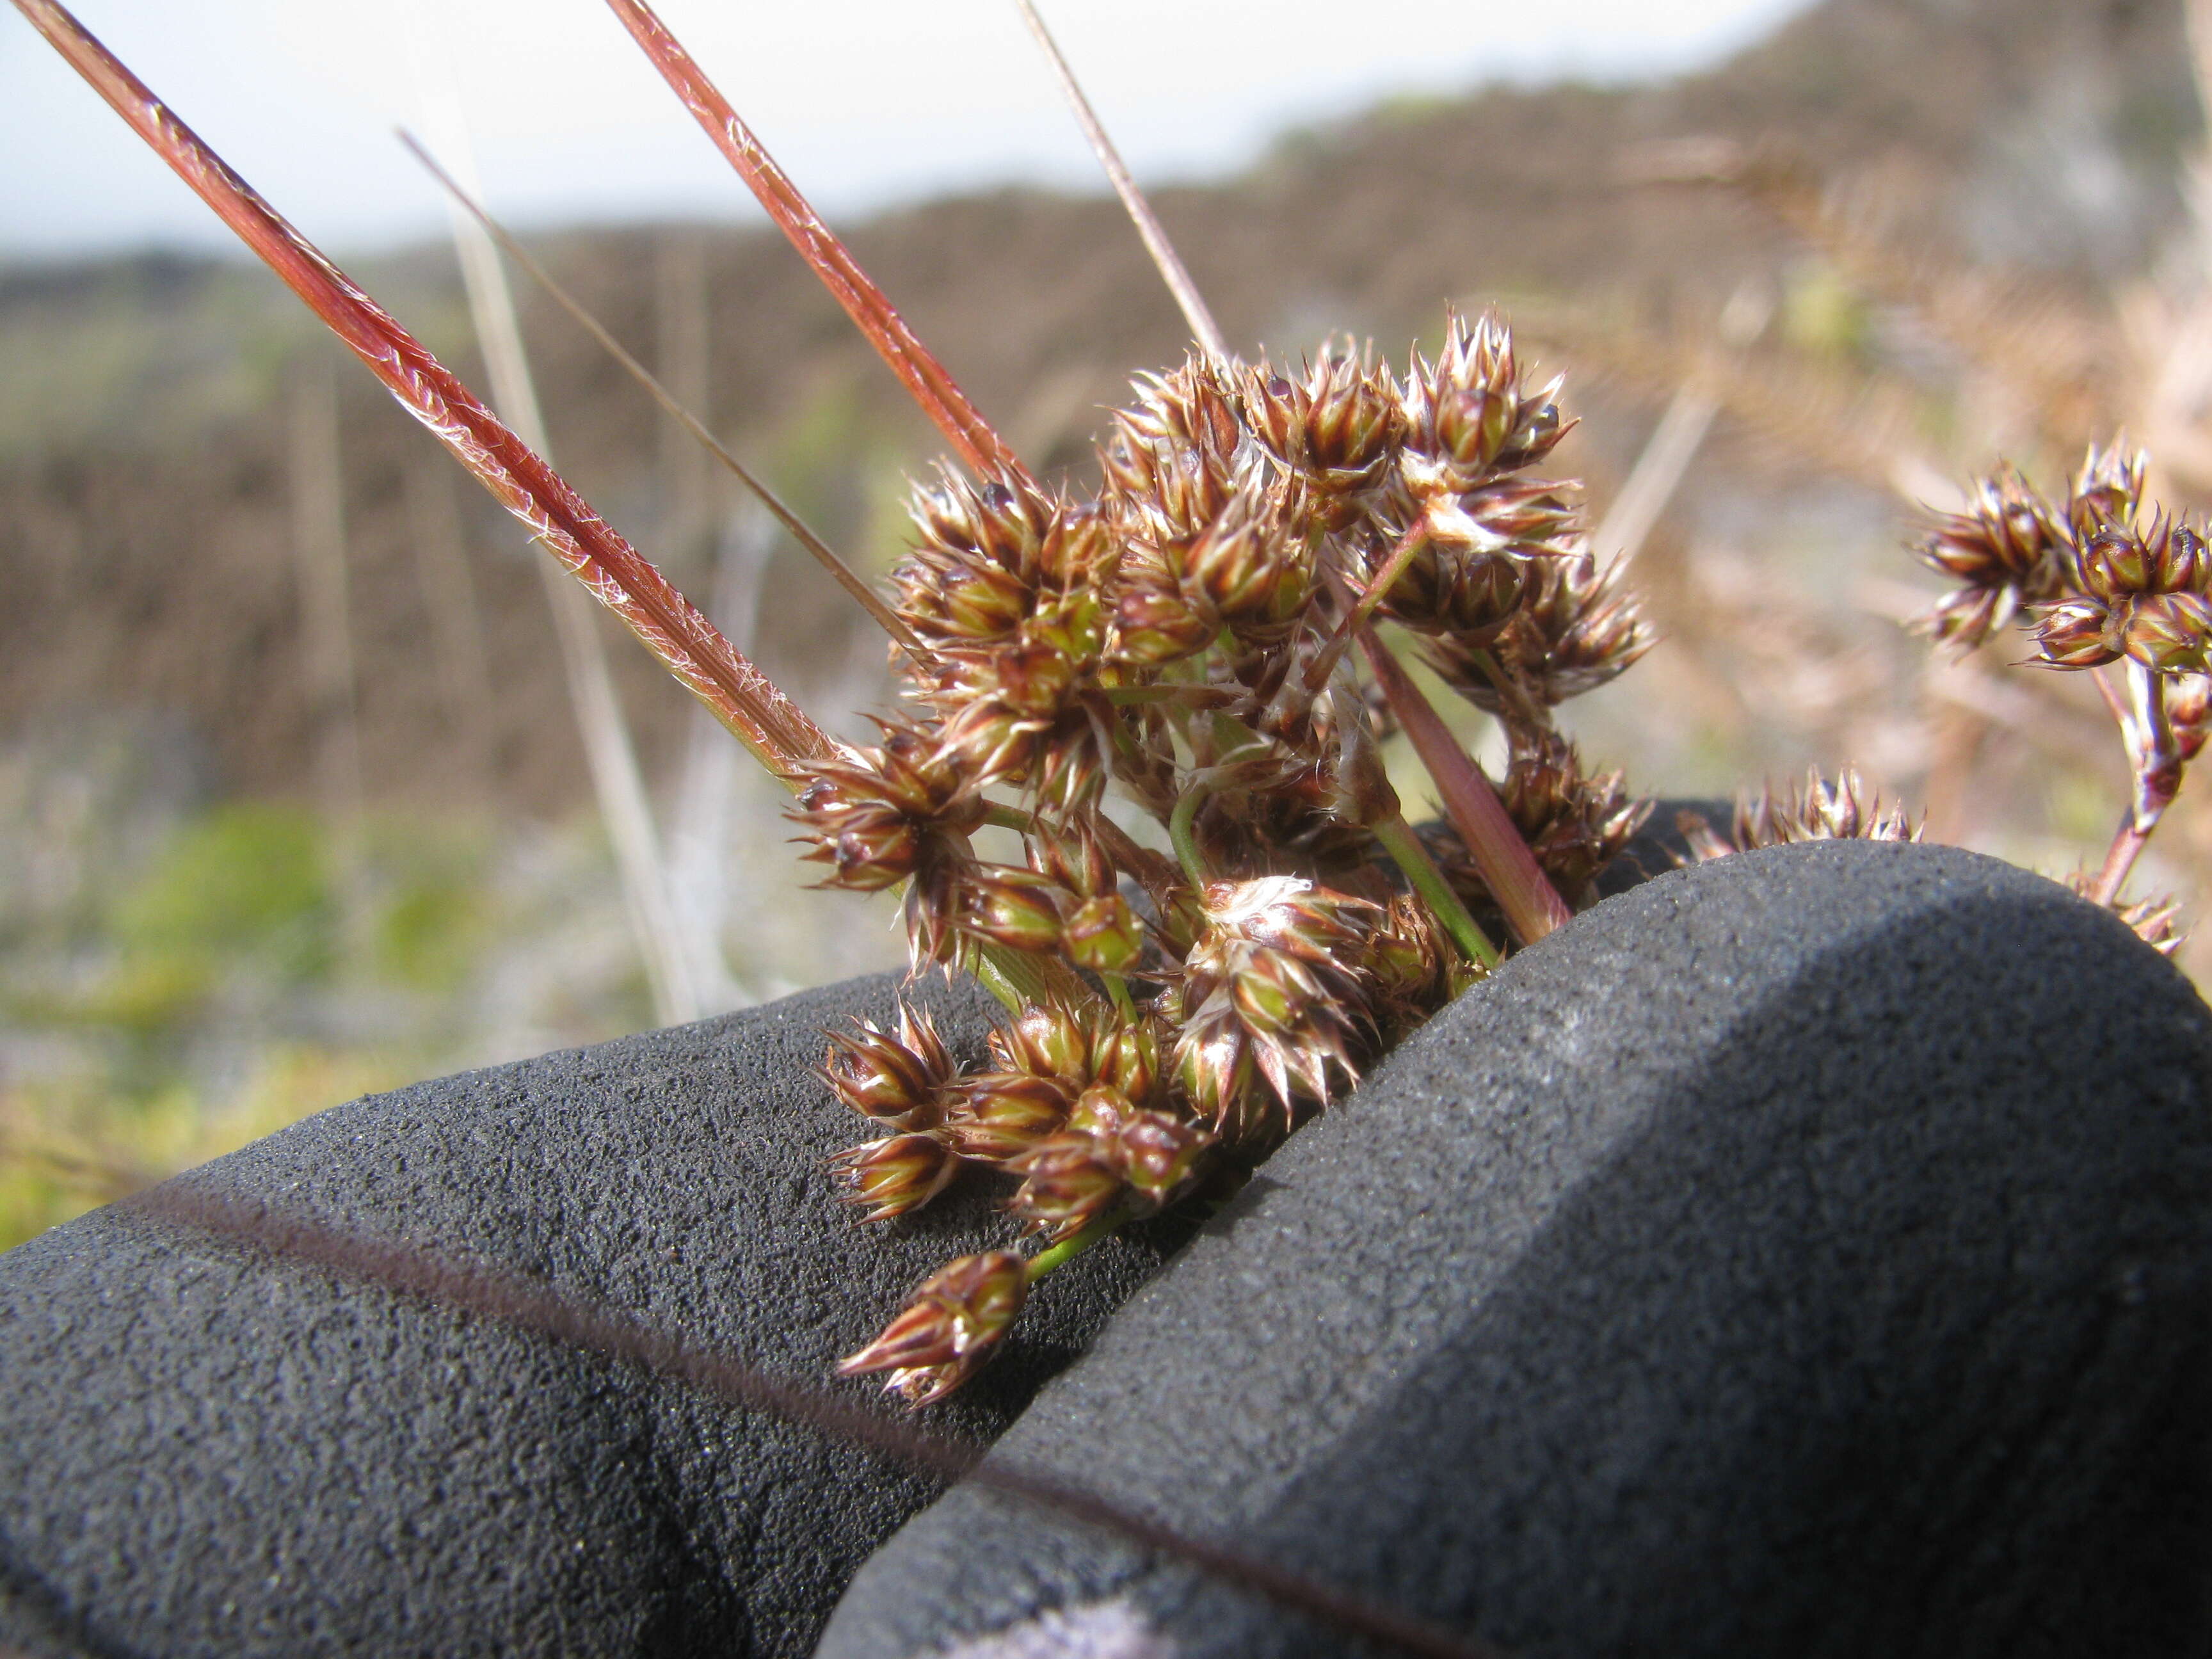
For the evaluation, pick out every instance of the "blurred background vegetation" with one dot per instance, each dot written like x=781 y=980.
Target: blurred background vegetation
x=292 y=801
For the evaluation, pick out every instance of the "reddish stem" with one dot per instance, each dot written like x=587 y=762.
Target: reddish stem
x=927 y=380
x=708 y=665
x=1532 y=905
x=2155 y=760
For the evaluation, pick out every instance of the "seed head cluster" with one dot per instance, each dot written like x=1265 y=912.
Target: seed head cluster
x=2100 y=577
x=1183 y=640
x=2110 y=584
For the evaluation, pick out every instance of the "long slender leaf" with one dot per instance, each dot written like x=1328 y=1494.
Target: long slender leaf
x=709 y=666
x=927 y=380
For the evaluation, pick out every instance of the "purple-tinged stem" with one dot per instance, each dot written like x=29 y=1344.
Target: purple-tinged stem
x=2155 y=760
x=693 y=648
x=927 y=380
x=1532 y=905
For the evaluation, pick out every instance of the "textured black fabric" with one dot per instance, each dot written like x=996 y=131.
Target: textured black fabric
x=1801 y=1255
x=205 y=1451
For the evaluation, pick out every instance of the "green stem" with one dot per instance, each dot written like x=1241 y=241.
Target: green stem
x=1068 y=1249
x=1117 y=987
x=1404 y=847
x=1182 y=829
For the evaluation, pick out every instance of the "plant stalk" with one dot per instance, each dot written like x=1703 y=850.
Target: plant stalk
x=1183 y=830
x=1406 y=850
x=927 y=380
x=1060 y=1254
x=738 y=695
x=1532 y=905
x=2154 y=758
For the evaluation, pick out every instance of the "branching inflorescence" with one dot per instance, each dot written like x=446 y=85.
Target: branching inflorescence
x=1198 y=640
x=1183 y=640
x=2109 y=585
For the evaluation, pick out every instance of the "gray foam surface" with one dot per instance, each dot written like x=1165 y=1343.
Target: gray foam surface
x=1802 y=1255
x=204 y=1450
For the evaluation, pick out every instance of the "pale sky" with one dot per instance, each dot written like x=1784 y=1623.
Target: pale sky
x=866 y=102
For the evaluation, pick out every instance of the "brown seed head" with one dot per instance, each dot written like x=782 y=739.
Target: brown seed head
x=1280 y=969
x=2008 y=547
x=890 y=1176
x=1017 y=908
x=2119 y=561
x=997 y=1115
x=2078 y=634
x=2167 y=633
x=1175 y=458
x=1246 y=564
x=1157 y=622
x=1338 y=426
x=897 y=1081
x=1468 y=413
x=1103 y=934
x=987 y=555
x=1576 y=629
x=1416 y=967
x=2108 y=490
x=1845 y=810
x=947 y=1328
x=1575 y=824
x=1068 y=1182
x=1159 y=1152
x=875 y=815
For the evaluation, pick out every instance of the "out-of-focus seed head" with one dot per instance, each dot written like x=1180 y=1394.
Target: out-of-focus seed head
x=890 y=1176
x=2108 y=490
x=2155 y=923
x=997 y=1115
x=2167 y=633
x=2153 y=920
x=1575 y=824
x=947 y=1328
x=1845 y=810
x=1576 y=629
x=2007 y=549
x=896 y=1081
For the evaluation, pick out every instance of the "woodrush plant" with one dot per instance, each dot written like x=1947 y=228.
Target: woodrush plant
x=1188 y=639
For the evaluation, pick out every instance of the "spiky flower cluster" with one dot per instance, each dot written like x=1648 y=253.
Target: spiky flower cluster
x=2098 y=577
x=2106 y=581
x=1845 y=810
x=1189 y=638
